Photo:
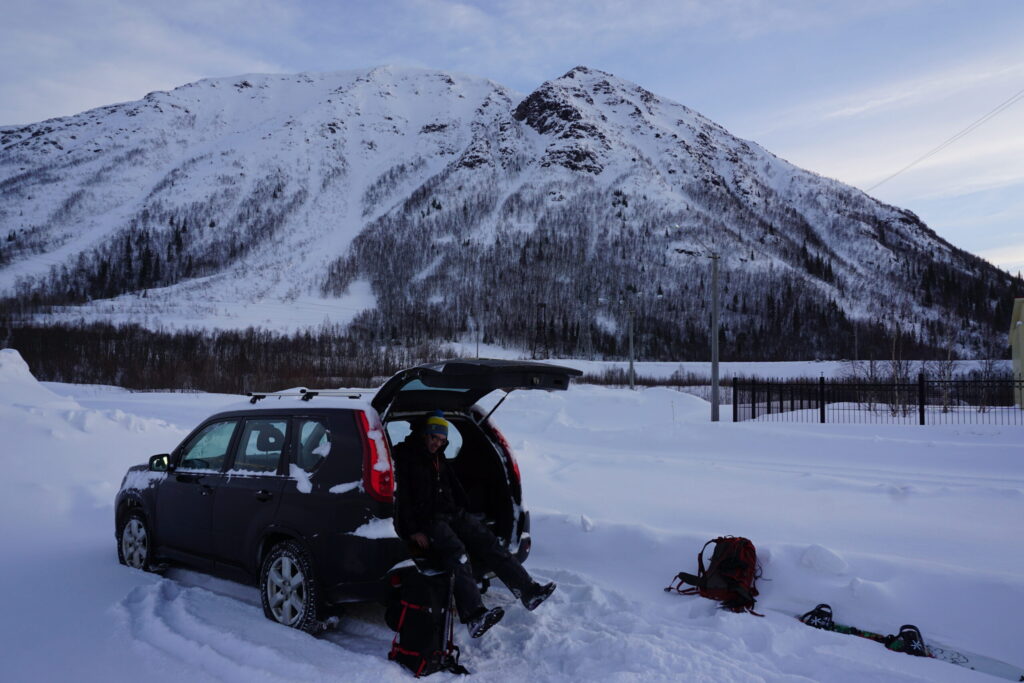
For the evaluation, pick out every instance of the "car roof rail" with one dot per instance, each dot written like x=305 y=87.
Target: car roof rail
x=307 y=394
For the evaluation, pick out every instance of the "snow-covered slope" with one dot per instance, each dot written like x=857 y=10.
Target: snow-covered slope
x=255 y=182
x=889 y=524
x=285 y=201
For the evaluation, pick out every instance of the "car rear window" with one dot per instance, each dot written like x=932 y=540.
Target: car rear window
x=418 y=385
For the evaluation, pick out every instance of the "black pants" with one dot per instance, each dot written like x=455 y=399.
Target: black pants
x=451 y=538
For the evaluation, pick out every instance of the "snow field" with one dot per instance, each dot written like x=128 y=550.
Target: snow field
x=889 y=524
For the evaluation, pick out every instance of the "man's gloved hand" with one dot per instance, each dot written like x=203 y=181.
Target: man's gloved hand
x=420 y=539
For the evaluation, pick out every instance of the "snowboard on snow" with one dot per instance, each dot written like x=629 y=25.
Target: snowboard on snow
x=909 y=641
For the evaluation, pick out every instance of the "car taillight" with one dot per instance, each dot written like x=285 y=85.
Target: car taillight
x=378 y=474
x=508 y=449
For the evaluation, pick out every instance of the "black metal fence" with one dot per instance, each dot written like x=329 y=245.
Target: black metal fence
x=924 y=401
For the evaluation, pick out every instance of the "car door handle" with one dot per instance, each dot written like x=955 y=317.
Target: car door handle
x=264 y=495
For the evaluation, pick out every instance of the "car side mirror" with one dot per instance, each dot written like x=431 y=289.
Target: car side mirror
x=159 y=463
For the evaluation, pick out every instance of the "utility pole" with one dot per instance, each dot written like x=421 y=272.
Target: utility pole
x=539 y=330
x=714 y=336
x=714 y=255
x=632 y=376
x=477 y=327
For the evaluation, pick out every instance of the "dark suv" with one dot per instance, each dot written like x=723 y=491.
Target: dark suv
x=293 y=490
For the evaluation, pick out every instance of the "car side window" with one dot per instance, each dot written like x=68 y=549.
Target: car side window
x=208 y=449
x=260 y=447
x=314 y=443
x=454 y=446
x=397 y=431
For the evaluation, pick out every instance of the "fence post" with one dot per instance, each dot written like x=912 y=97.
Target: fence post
x=753 y=399
x=821 y=399
x=735 y=400
x=920 y=398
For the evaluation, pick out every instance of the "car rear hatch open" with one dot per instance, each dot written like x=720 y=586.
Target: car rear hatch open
x=458 y=384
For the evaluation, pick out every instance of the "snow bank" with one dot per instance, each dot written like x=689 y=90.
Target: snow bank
x=64 y=458
x=18 y=387
x=889 y=524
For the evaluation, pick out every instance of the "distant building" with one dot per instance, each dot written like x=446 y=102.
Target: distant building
x=1017 y=344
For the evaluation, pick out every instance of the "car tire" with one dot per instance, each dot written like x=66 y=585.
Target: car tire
x=134 y=542
x=288 y=588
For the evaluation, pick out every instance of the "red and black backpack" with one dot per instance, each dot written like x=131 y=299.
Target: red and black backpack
x=730 y=577
x=423 y=617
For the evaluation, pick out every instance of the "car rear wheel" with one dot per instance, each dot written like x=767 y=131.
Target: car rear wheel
x=134 y=546
x=288 y=588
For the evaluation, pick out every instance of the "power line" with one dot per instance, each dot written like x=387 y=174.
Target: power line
x=949 y=141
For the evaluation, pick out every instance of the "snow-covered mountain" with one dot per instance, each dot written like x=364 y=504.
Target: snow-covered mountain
x=417 y=204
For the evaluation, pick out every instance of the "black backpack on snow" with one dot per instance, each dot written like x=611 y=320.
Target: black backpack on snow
x=730 y=576
x=423 y=618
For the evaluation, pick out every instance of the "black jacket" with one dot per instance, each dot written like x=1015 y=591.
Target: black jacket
x=426 y=488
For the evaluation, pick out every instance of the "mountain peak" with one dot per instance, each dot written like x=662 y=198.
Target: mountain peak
x=564 y=110
x=582 y=71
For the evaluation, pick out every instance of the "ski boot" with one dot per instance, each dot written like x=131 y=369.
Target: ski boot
x=537 y=595
x=483 y=621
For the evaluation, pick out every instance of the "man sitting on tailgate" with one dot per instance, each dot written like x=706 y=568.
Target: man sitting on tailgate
x=430 y=514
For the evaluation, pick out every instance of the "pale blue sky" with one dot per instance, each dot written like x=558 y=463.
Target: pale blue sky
x=851 y=89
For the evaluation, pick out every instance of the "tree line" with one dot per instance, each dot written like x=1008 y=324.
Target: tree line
x=232 y=362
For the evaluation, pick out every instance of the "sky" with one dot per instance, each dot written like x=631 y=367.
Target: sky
x=855 y=90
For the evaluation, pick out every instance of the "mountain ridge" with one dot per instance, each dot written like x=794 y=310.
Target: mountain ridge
x=415 y=204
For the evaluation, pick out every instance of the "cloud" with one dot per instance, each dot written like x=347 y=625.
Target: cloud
x=918 y=92
x=524 y=42
x=866 y=135
x=629 y=21
x=62 y=57
x=52 y=54
x=1009 y=258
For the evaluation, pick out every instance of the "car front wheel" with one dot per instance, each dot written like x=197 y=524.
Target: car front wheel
x=134 y=544
x=288 y=589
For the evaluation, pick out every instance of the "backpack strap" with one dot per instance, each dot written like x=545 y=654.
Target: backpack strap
x=395 y=647
x=694 y=580
x=700 y=556
x=681 y=578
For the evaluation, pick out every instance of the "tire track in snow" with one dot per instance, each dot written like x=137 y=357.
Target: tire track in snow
x=583 y=632
x=229 y=640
